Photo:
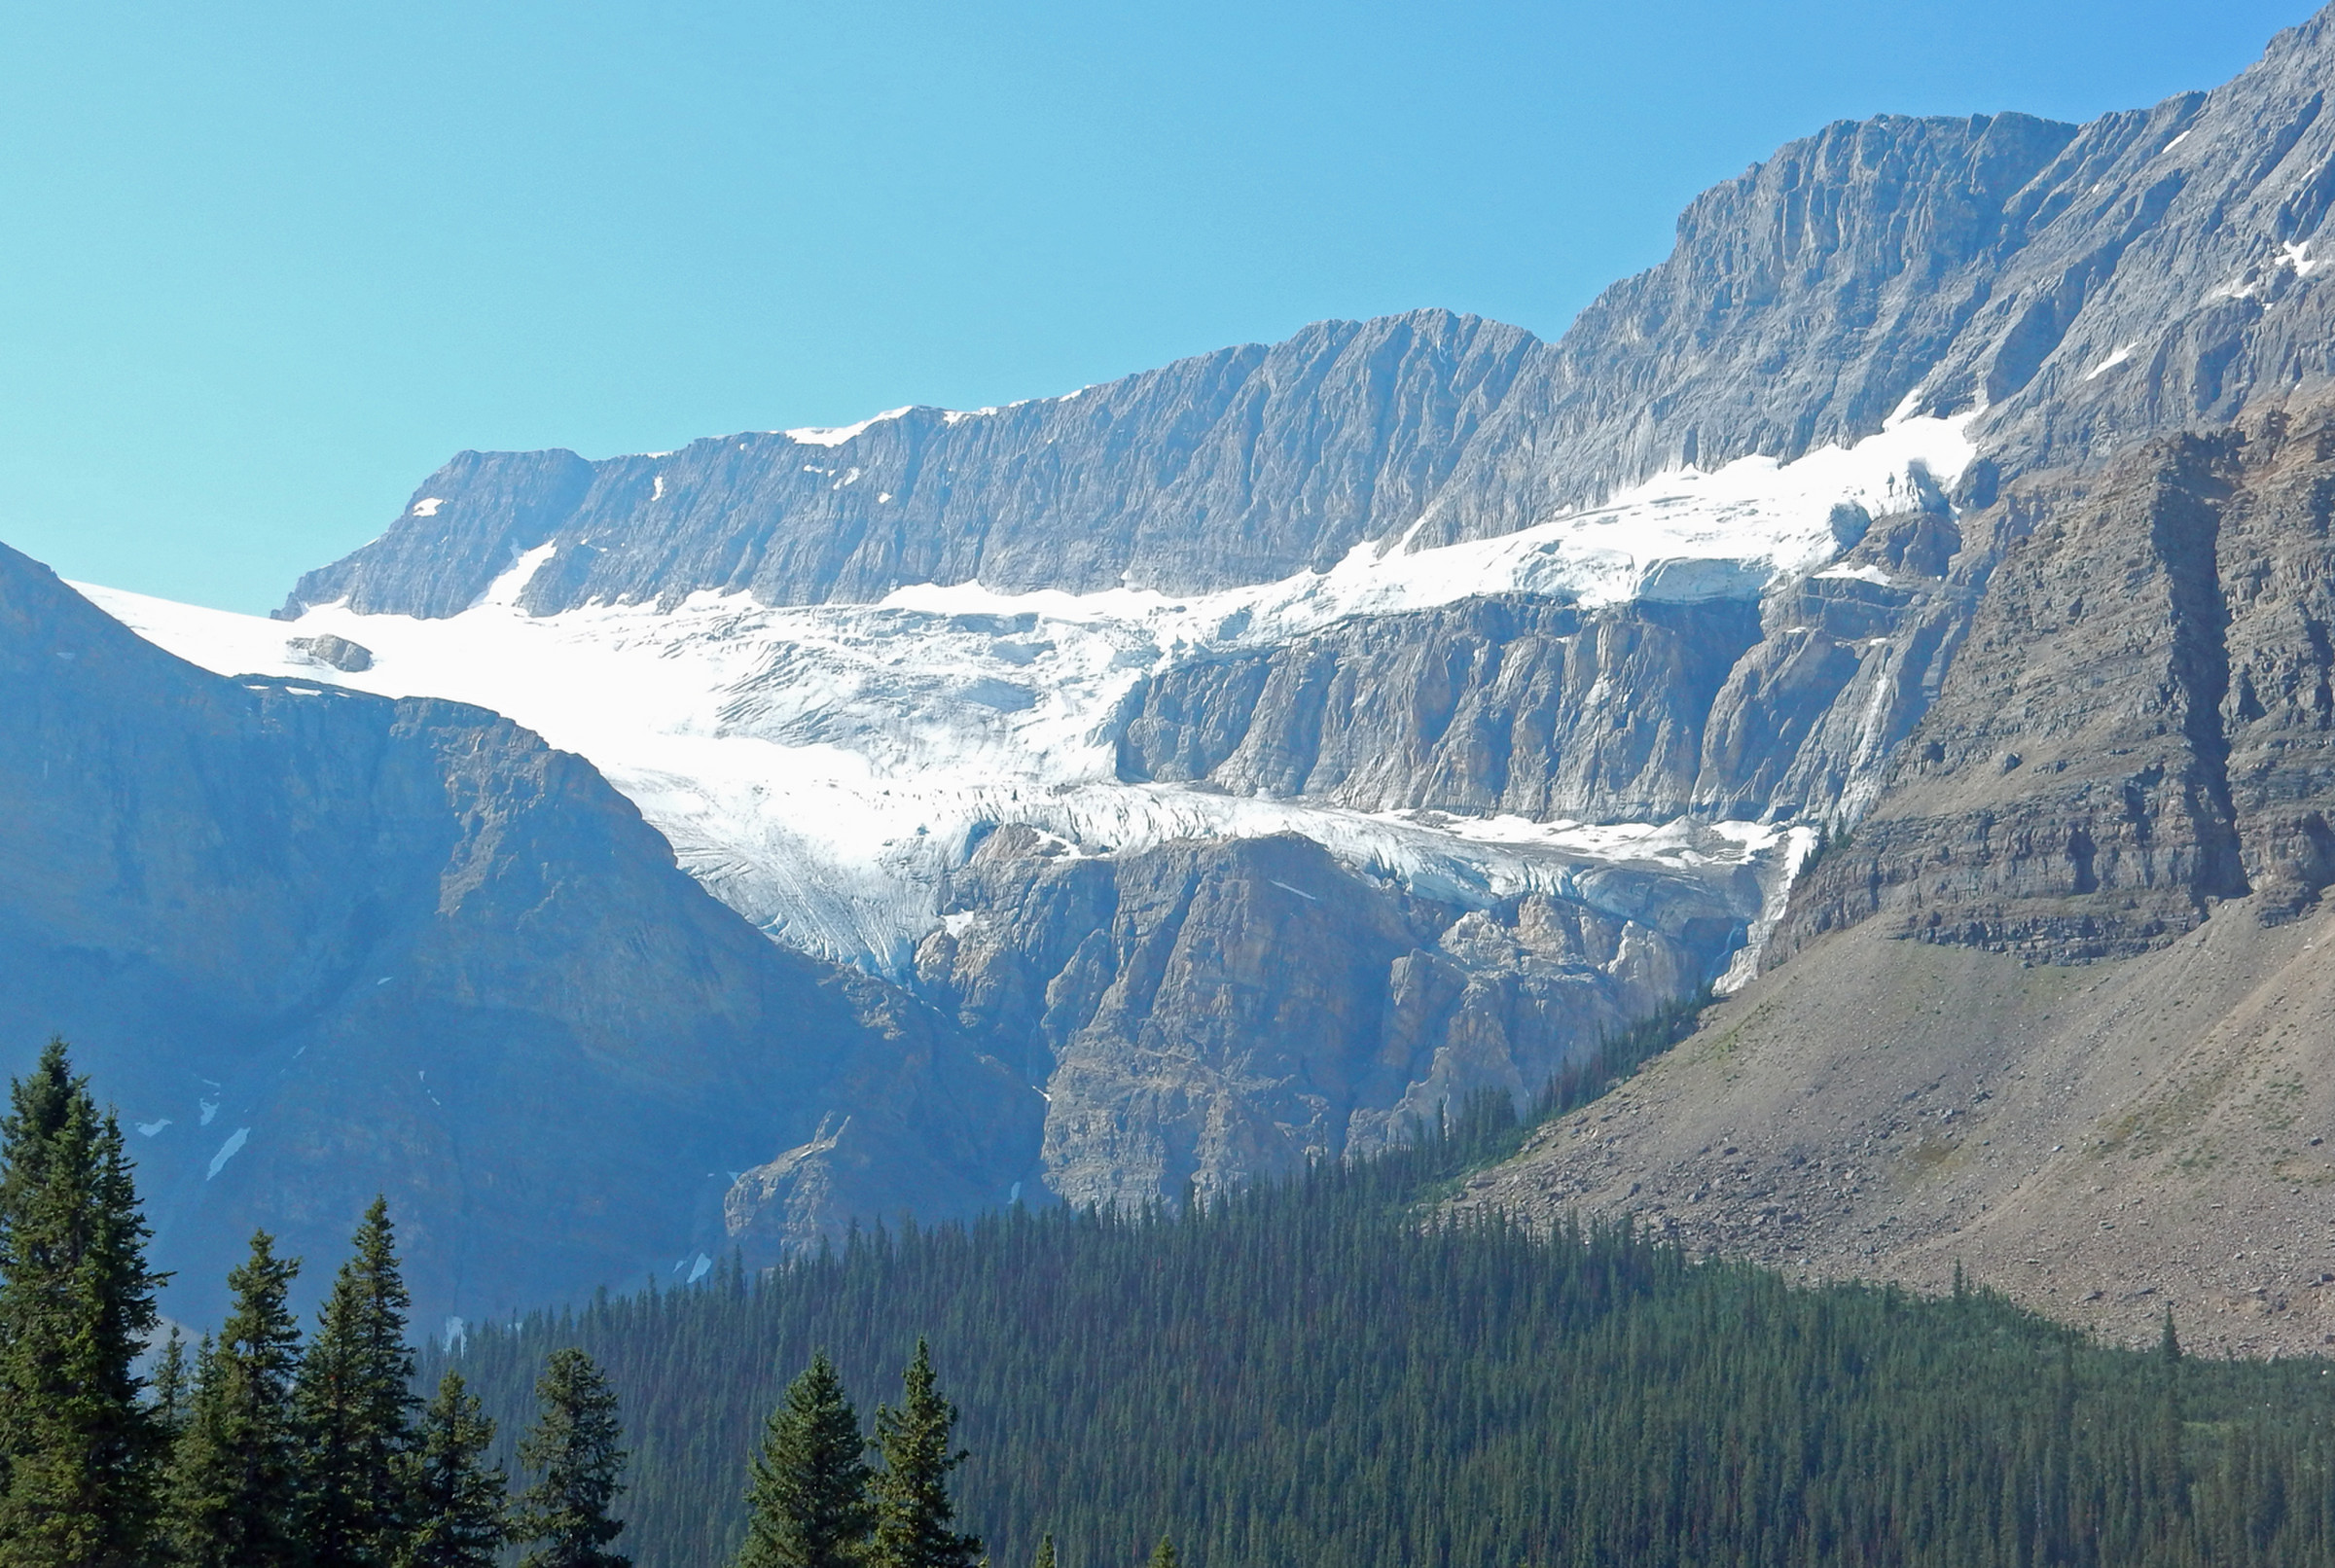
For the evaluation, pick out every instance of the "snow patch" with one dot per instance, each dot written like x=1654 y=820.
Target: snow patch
x=2295 y=255
x=147 y=1129
x=837 y=435
x=1866 y=573
x=209 y=1109
x=428 y=504
x=504 y=592
x=227 y=1151
x=2176 y=142
x=2121 y=356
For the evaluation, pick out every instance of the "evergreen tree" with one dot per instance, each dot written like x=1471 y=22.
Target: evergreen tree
x=355 y=1406
x=914 y=1514
x=1163 y=1555
x=458 y=1510
x=807 y=1502
x=575 y=1444
x=81 y=1449
x=235 y=1486
x=173 y=1386
x=1045 y=1558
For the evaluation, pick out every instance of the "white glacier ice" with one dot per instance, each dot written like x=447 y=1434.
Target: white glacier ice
x=821 y=767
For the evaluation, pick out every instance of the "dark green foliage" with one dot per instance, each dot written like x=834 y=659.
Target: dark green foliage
x=81 y=1449
x=915 y=1517
x=455 y=1499
x=355 y=1401
x=807 y=1506
x=575 y=1443
x=1045 y=1556
x=235 y=1483
x=1164 y=1554
x=173 y=1386
x=1314 y=1374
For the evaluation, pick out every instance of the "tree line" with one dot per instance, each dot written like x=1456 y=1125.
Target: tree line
x=252 y=1449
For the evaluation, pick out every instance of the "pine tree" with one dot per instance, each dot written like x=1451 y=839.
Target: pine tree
x=807 y=1502
x=235 y=1484
x=575 y=1444
x=458 y=1511
x=81 y=1449
x=1164 y=1554
x=1045 y=1558
x=173 y=1386
x=355 y=1406
x=914 y=1514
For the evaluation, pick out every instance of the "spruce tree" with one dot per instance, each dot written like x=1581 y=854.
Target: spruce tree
x=235 y=1483
x=173 y=1386
x=1045 y=1558
x=914 y=1514
x=355 y=1406
x=1164 y=1554
x=575 y=1443
x=81 y=1447
x=807 y=1504
x=458 y=1508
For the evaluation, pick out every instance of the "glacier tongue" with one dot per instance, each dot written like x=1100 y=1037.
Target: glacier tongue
x=821 y=768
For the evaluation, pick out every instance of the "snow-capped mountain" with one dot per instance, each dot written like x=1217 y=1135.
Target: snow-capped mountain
x=1258 y=751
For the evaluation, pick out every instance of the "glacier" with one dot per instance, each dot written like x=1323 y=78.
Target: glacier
x=821 y=768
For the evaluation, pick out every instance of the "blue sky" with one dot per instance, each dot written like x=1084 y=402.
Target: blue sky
x=265 y=266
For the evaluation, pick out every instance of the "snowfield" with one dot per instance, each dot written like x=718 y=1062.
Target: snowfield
x=821 y=768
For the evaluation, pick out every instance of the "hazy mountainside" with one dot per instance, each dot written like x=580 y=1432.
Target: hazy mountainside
x=315 y=944
x=1212 y=1011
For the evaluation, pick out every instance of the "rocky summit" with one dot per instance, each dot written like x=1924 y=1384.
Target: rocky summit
x=1901 y=610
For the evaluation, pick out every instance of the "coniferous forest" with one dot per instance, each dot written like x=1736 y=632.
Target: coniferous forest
x=1310 y=1372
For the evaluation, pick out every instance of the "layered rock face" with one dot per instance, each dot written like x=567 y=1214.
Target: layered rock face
x=1509 y=704
x=2138 y=725
x=1721 y=708
x=1209 y=1012
x=2079 y=286
x=316 y=944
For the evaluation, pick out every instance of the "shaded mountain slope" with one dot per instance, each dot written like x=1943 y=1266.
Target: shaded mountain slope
x=316 y=944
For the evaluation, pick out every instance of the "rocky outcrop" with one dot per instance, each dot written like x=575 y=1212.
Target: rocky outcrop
x=1720 y=708
x=1238 y=466
x=1208 y=1012
x=316 y=944
x=1507 y=704
x=331 y=653
x=2136 y=727
x=2075 y=288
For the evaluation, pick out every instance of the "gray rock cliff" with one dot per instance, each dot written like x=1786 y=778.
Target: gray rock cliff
x=2138 y=725
x=1209 y=1012
x=2077 y=288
